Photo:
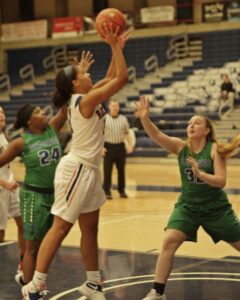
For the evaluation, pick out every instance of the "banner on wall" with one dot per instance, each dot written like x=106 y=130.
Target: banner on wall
x=31 y=30
x=214 y=12
x=233 y=11
x=221 y=11
x=157 y=14
x=67 y=27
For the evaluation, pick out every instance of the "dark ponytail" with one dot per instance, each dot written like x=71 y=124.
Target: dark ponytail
x=64 y=87
x=59 y=99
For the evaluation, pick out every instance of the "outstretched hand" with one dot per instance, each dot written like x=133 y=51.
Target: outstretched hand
x=142 y=107
x=124 y=37
x=86 y=61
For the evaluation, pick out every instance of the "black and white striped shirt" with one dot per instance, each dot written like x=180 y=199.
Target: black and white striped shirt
x=115 y=129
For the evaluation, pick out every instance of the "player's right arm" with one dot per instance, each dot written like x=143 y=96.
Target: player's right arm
x=14 y=149
x=171 y=144
x=111 y=72
x=99 y=95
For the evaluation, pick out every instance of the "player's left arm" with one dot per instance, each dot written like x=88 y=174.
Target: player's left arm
x=58 y=121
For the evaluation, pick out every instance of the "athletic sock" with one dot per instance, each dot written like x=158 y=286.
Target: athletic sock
x=94 y=276
x=39 y=280
x=159 y=287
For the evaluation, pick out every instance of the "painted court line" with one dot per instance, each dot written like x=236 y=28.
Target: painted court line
x=120 y=220
x=149 y=281
x=7 y=243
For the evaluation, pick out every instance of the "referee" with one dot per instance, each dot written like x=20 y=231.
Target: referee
x=114 y=151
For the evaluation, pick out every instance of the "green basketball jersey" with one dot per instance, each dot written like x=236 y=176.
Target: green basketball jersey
x=40 y=156
x=195 y=191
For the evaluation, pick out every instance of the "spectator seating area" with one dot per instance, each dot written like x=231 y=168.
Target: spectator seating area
x=176 y=89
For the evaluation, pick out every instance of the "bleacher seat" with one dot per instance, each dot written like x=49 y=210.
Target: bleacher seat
x=175 y=96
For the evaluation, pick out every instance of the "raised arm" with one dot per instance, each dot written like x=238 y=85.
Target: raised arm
x=111 y=72
x=98 y=95
x=58 y=121
x=109 y=76
x=171 y=144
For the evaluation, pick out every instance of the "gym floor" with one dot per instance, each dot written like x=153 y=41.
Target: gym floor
x=130 y=235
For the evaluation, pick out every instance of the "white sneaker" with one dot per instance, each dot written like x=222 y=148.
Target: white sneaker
x=92 y=291
x=33 y=296
x=19 y=279
x=153 y=295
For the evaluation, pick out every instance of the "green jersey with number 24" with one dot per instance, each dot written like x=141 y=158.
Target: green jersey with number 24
x=40 y=156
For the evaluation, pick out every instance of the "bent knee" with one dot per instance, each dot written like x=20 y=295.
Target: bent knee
x=90 y=231
x=32 y=251
x=61 y=227
x=61 y=231
x=173 y=241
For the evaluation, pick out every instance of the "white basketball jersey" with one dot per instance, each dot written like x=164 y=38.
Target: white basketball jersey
x=87 y=134
x=5 y=172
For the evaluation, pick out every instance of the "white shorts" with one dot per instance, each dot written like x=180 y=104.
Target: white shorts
x=9 y=206
x=78 y=189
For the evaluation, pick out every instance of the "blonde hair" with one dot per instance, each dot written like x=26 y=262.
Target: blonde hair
x=229 y=149
x=224 y=149
x=3 y=129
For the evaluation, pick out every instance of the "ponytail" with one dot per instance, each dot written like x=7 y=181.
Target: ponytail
x=224 y=149
x=60 y=99
x=64 y=87
x=229 y=149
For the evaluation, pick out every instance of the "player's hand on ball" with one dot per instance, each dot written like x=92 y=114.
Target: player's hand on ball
x=110 y=34
x=124 y=37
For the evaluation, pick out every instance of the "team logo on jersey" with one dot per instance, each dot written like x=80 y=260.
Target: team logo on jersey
x=100 y=111
x=78 y=101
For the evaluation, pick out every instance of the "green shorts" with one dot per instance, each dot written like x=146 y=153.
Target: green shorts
x=35 y=210
x=222 y=224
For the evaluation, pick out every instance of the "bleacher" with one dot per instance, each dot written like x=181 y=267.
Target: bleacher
x=177 y=89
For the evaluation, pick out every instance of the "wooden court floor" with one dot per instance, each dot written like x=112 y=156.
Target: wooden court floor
x=137 y=223
x=130 y=235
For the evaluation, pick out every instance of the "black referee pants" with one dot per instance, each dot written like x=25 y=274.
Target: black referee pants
x=116 y=154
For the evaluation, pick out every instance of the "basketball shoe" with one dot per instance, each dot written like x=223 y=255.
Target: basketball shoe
x=39 y=295
x=92 y=291
x=19 y=279
x=153 y=295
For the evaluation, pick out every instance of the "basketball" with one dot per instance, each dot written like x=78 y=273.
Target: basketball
x=110 y=17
